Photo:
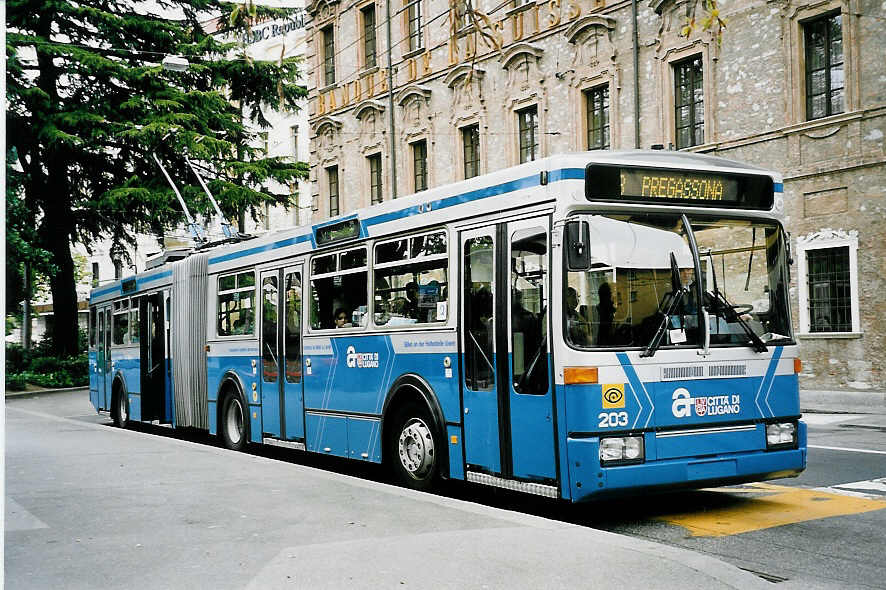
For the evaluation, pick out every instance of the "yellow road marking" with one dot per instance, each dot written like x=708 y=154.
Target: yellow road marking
x=774 y=506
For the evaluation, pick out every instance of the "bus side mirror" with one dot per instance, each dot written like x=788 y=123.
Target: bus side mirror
x=578 y=245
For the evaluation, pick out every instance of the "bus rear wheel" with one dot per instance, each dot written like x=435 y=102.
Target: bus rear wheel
x=413 y=448
x=121 y=409
x=233 y=425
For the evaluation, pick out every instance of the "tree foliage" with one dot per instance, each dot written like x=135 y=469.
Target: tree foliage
x=89 y=103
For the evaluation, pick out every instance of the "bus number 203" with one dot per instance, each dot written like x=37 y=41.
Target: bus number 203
x=612 y=419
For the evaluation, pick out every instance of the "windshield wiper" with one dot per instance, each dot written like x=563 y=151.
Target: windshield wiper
x=668 y=304
x=726 y=310
x=723 y=308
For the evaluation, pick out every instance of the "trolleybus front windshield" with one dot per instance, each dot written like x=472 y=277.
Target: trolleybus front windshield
x=636 y=261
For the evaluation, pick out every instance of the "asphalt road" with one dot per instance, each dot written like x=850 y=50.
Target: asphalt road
x=97 y=516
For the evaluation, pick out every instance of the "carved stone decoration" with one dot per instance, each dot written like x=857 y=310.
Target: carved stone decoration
x=329 y=132
x=414 y=102
x=828 y=235
x=674 y=15
x=322 y=9
x=592 y=36
x=370 y=115
x=521 y=62
x=467 y=87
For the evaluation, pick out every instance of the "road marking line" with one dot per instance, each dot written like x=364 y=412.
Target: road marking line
x=876 y=485
x=825 y=419
x=775 y=506
x=847 y=449
x=19 y=519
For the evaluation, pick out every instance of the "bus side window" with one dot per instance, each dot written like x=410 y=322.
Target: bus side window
x=339 y=282
x=92 y=327
x=478 y=298
x=236 y=304
x=411 y=280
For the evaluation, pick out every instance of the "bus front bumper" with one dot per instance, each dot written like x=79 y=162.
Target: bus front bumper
x=589 y=480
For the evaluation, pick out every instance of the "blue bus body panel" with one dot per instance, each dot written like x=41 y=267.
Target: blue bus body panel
x=135 y=407
x=354 y=374
x=482 y=447
x=532 y=432
x=93 y=379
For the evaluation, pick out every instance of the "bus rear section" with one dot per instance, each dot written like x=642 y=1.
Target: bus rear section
x=681 y=424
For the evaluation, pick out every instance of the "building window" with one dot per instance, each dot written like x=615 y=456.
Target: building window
x=471 y=139
x=527 y=120
x=332 y=183
x=689 y=102
x=413 y=15
x=828 y=279
x=118 y=270
x=420 y=165
x=597 y=112
x=293 y=140
x=328 y=55
x=95 y=277
x=824 y=66
x=829 y=292
x=369 y=36
x=375 y=195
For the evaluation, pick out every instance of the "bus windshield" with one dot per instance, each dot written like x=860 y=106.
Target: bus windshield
x=642 y=283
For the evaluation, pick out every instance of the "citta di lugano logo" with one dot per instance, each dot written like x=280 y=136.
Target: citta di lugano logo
x=362 y=360
x=711 y=405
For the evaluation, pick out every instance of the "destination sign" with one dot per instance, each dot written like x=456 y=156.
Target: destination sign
x=343 y=230
x=750 y=191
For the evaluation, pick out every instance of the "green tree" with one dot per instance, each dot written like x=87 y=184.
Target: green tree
x=22 y=244
x=89 y=103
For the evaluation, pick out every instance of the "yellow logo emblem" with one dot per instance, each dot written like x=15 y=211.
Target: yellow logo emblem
x=613 y=395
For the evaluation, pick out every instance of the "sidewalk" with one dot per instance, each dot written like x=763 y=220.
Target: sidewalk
x=184 y=515
x=843 y=401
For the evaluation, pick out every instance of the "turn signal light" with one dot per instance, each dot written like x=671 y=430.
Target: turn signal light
x=576 y=375
x=798 y=366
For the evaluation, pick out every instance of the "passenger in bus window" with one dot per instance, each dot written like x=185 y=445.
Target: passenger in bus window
x=576 y=325
x=341 y=319
x=605 y=315
x=412 y=310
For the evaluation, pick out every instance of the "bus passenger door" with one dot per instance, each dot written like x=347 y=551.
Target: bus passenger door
x=152 y=345
x=103 y=356
x=281 y=381
x=478 y=345
x=290 y=327
x=506 y=370
x=530 y=397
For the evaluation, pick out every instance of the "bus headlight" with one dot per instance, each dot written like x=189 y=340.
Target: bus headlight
x=621 y=449
x=781 y=435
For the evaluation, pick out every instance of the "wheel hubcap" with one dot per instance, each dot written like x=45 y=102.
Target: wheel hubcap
x=416 y=448
x=234 y=421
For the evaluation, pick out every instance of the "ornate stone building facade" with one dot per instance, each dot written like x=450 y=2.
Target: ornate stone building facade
x=794 y=85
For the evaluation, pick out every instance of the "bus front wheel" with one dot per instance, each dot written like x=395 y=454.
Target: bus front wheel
x=413 y=448
x=233 y=424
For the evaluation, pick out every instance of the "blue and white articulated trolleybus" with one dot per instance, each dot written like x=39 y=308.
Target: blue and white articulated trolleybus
x=583 y=325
